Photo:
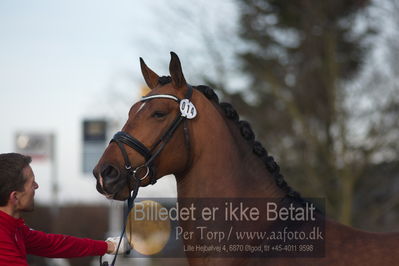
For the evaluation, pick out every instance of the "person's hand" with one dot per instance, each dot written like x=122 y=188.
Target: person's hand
x=113 y=244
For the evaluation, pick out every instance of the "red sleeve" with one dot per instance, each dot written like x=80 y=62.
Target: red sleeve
x=61 y=246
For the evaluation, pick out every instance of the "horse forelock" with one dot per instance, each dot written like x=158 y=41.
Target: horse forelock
x=248 y=134
x=164 y=80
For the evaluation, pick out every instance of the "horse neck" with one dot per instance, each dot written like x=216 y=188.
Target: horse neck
x=223 y=164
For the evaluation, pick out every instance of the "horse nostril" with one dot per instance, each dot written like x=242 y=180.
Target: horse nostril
x=110 y=172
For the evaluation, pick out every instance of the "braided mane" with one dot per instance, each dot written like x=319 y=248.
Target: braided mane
x=248 y=134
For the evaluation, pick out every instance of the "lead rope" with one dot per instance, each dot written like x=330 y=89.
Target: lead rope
x=130 y=205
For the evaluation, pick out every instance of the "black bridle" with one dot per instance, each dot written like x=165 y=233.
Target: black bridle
x=187 y=111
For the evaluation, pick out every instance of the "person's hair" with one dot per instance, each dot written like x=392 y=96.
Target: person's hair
x=11 y=175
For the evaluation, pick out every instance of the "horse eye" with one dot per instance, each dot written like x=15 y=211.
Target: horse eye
x=158 y=114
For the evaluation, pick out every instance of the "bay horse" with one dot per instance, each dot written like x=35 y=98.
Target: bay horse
x=212 y=153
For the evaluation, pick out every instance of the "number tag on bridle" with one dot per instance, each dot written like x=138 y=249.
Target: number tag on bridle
x=187 y=109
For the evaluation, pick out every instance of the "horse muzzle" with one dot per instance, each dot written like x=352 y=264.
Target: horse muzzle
x=111 y=182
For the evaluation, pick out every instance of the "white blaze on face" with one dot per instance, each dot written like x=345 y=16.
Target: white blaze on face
x=141 y=107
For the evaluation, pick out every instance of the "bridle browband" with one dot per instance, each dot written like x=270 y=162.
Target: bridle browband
x=187 y=111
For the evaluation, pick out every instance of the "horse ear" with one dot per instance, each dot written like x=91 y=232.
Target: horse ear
x=150 y=77
x=176 y=71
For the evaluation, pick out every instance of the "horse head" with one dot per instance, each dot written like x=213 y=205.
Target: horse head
x=154 y=141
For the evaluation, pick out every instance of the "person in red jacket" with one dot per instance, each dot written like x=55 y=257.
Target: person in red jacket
x=17 y=192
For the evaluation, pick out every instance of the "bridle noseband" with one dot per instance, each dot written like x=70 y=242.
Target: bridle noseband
x=187 y=111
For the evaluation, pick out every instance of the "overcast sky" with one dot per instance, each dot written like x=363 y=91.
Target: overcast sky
x=60 y=62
